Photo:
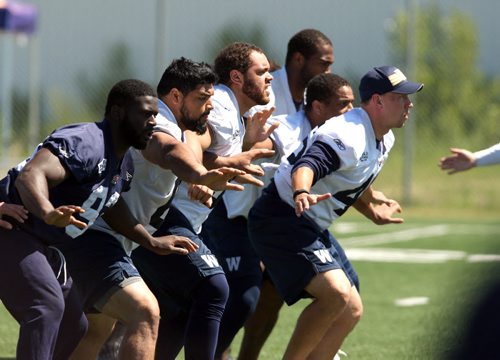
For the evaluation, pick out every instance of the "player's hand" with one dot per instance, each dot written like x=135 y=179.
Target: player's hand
x=218 y=179
x=201 y=193
x=244 y=160
x=304 y=201
x=461 y=160
x=383 y=213
x=256 y=129
x=63 y=216
x=248 y=179
x=172 y=244
x=377 y=197
x=17 y=212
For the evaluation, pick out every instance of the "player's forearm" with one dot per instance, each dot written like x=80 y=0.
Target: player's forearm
x=488 y=156
x=302 y=178
x=121 y=220
x=34 y=192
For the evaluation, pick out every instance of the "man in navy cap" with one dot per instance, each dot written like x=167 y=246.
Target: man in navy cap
x=288 y=225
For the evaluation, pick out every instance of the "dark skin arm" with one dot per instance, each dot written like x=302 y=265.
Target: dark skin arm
x=43 y=172
x=120 y=219
x=17 y=212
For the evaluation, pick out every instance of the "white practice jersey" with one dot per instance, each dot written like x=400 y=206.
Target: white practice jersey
x=228 y=131
x=488 y=156
x=152 y=186
x=286 y=138
x=346 y=158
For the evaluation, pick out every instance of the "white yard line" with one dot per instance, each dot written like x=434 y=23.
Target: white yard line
x=397 y=236
x=419 y=256
x=351 y=244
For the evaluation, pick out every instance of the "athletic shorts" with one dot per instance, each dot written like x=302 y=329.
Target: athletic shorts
x=172 y=278
x=99 y=267
x=293 y=248
x=228 y=240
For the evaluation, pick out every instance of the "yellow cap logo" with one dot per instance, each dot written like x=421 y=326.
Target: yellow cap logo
x=396 y=77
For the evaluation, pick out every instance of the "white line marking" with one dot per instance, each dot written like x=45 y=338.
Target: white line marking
x=419 y=256
x=397 y=236
x=483 y=258
x=412 y=301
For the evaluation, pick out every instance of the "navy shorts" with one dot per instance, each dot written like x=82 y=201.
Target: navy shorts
x=292 y=248
x=172 y=278
x=228 y=239
x=99 y=267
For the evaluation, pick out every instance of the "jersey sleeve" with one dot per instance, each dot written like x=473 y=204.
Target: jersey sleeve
x=168 y=127
x=76 y=154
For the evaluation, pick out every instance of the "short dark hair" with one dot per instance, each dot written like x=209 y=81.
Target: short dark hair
x=306 y=42
x=125 y=92
x=235 y=56
x=185 y=75
x=322 y=87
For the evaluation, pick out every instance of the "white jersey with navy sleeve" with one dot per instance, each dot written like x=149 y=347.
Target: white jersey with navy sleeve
x=286 y=138
x=345 y=157
x=228 y=131
x=153 y=185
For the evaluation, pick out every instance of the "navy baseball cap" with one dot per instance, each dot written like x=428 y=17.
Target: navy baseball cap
x=384 y=79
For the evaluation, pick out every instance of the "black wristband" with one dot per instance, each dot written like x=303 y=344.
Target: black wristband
x=298 y=192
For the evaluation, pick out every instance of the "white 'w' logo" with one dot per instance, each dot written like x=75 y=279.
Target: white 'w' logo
x=323 y=255
x=211 y=260
x=233 y=263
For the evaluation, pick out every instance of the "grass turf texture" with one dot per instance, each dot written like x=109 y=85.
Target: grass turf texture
x=386 y=330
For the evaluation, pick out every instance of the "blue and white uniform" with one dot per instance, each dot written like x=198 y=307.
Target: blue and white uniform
x=34 y=274
x=185 y=216
x=108 y=251
x=227 y=235
x=346 y=158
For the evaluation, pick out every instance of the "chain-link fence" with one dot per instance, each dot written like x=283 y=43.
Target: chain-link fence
x=63 y=73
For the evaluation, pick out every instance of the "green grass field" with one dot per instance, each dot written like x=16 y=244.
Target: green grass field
x=420 y=258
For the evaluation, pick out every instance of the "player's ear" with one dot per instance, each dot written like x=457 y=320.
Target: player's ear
x=298 y=58
x=236 y=77
x=317 y=107
x=117 y=112
x=176 y=95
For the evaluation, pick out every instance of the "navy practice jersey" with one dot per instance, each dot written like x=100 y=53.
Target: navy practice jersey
x=97 y=177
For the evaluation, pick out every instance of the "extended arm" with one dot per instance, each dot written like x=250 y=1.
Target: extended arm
x=463 y=160
x=302 y=180
x=169 y=153
x=377 y=207
x=40 y=174
x=120 y=219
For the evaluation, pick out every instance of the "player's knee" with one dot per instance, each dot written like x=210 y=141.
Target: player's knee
x=146 y=310
x=356 y=313
x=51 y=310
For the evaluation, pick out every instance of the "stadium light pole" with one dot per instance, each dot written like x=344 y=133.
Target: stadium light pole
x=409 y=129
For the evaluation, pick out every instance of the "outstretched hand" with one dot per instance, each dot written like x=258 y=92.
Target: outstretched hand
x=257 y=129
x=62 y=216
x=218 y=179
x=383 y=213
x=17 y=212
x=172 y=244
x=461 y=160
x=304 y=201
x=201 y=193
x=244 y=160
